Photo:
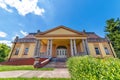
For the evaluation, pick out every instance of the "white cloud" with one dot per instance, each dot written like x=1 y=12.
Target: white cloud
x=6 y=42
x=24 y=33
x=3 y=34
x=22 y=6
x=4 y=6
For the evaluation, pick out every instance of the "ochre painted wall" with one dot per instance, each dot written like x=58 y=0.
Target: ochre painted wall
x=61 y=31
x=91 y=49
x=91 y=46
x=54 y=50
x=101 y=47
x=31 y=50
x=22 y=47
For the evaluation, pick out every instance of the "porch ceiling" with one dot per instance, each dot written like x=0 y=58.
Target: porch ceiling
x=60 y=41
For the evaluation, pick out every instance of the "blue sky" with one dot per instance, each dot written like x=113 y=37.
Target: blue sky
x=19 y=17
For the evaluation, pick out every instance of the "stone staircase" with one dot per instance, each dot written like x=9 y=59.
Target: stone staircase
x=57 y=63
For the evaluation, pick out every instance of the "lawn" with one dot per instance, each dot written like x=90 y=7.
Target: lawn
x=12 y=68
x=35 y=79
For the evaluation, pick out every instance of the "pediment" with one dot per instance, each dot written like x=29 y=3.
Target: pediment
x=60 y=30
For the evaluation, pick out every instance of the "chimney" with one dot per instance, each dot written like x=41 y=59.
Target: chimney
x=16 y=39
x=84 y=31
x=38 y=31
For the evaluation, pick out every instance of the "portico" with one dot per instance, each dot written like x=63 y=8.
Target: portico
x=61 y=42
x=60 y=48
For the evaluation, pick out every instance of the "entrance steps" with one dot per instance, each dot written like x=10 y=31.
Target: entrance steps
x=57 y=63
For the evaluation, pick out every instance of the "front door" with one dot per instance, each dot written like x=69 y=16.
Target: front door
x=61 y=53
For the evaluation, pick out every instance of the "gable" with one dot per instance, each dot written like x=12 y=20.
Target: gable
x=61 y=31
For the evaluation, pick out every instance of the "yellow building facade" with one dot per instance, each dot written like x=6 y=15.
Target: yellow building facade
x=61 y=42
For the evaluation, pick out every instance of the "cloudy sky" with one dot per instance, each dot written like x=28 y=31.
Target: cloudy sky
x=19 y=17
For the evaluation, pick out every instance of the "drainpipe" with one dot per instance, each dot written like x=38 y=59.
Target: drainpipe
x=15 y=41
x=109 y=43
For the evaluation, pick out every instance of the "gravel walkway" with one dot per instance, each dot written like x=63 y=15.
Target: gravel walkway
x=56 y=73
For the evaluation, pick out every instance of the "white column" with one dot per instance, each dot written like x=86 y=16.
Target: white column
x=37 y=53
x=71 y=45
x=75 y=49
x=37 y=48
x=39 y=44
x=86 y=44
x=50 y=47
x=83 y=43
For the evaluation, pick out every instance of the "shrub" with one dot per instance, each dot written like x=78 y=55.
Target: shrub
x=4 y=51
x=1 y=59
x=89 y=68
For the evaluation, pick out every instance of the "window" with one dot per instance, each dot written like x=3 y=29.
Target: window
x=17 y=51
x=97 y=51
x=106 y=51
x=26 y=51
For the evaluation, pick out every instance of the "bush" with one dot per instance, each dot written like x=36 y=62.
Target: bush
x=1 y=59
x=118 y=54
x=89 y=68
x=4 y=51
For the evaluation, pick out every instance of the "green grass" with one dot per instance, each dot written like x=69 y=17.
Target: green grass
x=35 y=79
x=13 y=68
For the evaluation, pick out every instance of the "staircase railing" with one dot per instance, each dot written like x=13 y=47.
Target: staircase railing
x=44 y=55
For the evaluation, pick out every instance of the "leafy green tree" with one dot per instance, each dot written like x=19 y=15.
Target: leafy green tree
x=4 y=51
x=113 y=33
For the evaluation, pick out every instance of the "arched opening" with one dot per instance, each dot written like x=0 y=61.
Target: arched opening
x=61 y=47
x=61 y=51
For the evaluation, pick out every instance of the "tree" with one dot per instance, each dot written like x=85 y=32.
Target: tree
x=113 y=33
x=4 y=51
